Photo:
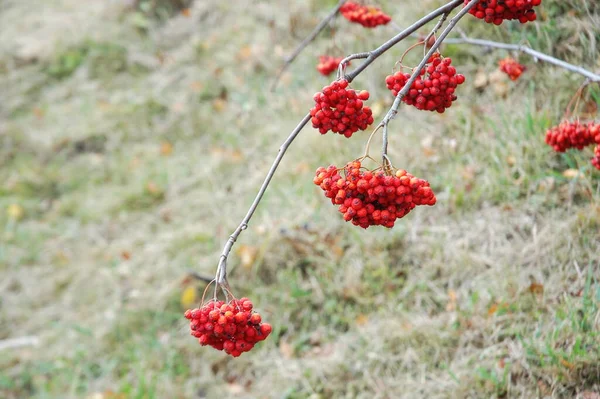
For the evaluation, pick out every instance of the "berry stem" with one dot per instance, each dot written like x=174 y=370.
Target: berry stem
x=434 y=30
x=289 y=59
x=529 y=51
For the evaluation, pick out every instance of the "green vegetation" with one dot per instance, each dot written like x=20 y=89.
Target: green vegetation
x=128 y=157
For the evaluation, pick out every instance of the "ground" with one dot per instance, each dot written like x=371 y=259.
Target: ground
x=134 y=136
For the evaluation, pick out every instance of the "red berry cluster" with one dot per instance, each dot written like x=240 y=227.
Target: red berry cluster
x=328 y=64
x=340 y=109
x=369 y=17
x=232 y=327
x=512 y=68
x=572 y=135
x=496 y=11
x=373 y=198
x=596 y=159
x=434 y=92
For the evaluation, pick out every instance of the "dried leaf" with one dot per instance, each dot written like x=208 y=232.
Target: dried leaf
x=166 y=148
x=536 y=288
x=247 y=255
x=15 y=212
x=219 y=104
x=126 y=255
x=451 y=305
x=186 y=12
x=287 y=350
x=567 y=364
x=244 y=53
x=511 y=160
x=481 y=79
x=362 y=319
x=571 y=173
x=188 y=297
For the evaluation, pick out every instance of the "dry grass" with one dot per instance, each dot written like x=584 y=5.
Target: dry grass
x=494 y=292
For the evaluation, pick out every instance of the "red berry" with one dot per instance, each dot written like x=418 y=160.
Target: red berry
x=369 y=17
x=497 y=11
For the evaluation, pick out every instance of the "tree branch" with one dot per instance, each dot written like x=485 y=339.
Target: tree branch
x=529 y=51
x=288 y=61
x=371 y=56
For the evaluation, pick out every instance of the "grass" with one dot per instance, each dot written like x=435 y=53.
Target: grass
x=133 y=140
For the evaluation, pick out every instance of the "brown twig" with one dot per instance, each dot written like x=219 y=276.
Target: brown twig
x=289 y=59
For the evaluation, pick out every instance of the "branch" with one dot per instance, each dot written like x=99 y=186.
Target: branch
x=417 y=71
x=221 y=275
x=527 y=50
x=288 y=61
x=374 y=54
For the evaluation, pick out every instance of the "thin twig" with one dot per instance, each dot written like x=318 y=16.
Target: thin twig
x=434 y=30
x=289 y=59
x=374 y=54
x=527 y=50
x=417 y=71
x=221 y=274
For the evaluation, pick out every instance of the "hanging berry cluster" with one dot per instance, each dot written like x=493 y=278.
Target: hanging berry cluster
x=233 y=328
x=373 y=198
x=572 y=135
x=369 y=17
x=340 y=109
x=497 y=11
x=512 y=68
x=575 y=135
x=596 y=160
x=433 y=91
x=328 y=64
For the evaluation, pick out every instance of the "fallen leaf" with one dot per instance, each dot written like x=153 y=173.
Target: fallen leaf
x=362 y=319
x=247 y=255
x=481 y=80
x=511 y=160
x=186 y=12
x=126 y=255
x=567 y=364
x=571 y=173
x=451 y=305
x=188 y=297
x=244 y=53
x=287 y=351
x=15 y=212
x=219 y=104
x=536 y=288
x=166 y=148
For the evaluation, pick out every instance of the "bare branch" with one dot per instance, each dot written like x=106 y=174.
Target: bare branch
x=221 y=274
x=373 y=55
x=529 y=51
x=288 y=61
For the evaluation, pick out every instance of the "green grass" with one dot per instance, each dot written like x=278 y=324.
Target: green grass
x=493 y=293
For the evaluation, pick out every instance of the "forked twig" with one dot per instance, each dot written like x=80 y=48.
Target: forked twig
x=289 y=59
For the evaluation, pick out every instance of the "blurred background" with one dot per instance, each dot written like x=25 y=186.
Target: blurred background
x=135 y=134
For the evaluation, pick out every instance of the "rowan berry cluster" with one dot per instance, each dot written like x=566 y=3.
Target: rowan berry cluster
x=572 y=135
x=512 y=68
x=372 y=198
x=328 y=64
x=596 y=160
x=367 y=16
x=233 y=327
x=497 y=11
x=433 y=92
x=340 y=109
